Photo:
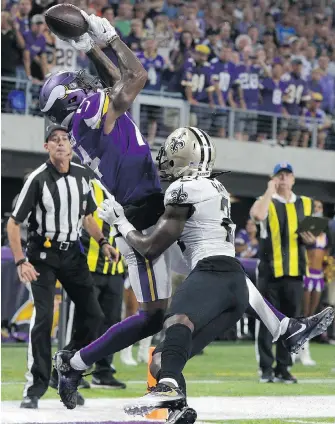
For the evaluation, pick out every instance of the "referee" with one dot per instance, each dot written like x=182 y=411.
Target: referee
x=282 y=262
x=108 y=282
x=56 y=199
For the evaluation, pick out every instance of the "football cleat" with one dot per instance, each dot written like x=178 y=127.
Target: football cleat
x=300 y=330
x=284 y=376
x=185 y=416
x=68 y=378
x=160 y=396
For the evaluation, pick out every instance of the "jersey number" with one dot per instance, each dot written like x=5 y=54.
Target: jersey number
x=276 y=97
x=227 y=223
x=294 y=94
x=249 y=81
x=198 y=82
x=224 y=80
x=64 y=58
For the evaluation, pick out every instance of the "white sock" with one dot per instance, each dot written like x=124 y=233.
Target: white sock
x=169 y=380
x=77 y=363
x=283 y=325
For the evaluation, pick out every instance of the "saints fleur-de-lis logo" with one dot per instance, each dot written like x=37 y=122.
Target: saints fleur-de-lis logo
x=177 y=143
x=179 y=195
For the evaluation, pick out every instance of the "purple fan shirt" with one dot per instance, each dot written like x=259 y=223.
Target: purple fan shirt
x=295 y=93
x=199 y=78
x=23 y=24
x=272 y=95
x=155 y=67
x=223 y=73
x=122 y=159
x=248 y=79
x=328 y=87
x=35 y=44
x=319 y=118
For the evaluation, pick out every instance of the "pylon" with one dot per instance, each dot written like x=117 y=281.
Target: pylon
x=157 y=414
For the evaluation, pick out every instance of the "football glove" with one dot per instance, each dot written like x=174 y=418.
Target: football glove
x=84 y=43
x=112 y=212
x=99 y=27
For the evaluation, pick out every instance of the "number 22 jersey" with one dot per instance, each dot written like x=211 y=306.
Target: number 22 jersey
x=209 y=231
x=122 y=159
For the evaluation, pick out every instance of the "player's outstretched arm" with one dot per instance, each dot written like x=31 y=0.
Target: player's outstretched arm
x=108 y=73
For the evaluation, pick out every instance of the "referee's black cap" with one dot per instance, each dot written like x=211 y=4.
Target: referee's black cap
x=54 y=127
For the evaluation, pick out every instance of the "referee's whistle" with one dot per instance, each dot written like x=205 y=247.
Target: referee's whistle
x=47 y=243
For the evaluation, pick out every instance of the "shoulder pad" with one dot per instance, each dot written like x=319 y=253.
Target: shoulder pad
x=93 y=108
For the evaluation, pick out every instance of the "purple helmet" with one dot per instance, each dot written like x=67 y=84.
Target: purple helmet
x=63 y=92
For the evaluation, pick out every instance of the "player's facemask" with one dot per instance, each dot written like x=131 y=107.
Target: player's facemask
x=63 y=92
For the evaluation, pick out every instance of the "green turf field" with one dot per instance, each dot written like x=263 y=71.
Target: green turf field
x=231 y=365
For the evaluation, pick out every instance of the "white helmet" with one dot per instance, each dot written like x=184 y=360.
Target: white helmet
x=187 y=151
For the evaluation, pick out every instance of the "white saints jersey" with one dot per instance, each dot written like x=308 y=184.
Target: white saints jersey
x=66 y=57
x=209 y=231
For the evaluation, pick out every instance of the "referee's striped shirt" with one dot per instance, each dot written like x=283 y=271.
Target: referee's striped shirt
x=55 y=203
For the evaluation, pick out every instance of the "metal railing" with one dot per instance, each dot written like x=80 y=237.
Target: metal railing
x=158 y=113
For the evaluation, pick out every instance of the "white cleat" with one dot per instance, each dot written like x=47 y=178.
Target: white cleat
x=305 y=356
x=126 y=357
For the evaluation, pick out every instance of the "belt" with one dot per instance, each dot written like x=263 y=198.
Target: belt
x=60 y=245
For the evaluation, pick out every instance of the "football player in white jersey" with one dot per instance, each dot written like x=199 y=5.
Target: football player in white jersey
x=66 y=57
x=217 y=291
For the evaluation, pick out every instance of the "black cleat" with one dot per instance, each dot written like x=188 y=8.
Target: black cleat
x=267 y=376
x=185 y=416
x=107 y=381
x=68 y=378
x=29 y=402
x=160 y=396
x=300 y=330
x=284 y=376
x=80 y=399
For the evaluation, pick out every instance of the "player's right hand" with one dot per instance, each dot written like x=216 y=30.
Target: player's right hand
x=99 y=27
x=83 y=44
x=273 y=185
x=27 y=273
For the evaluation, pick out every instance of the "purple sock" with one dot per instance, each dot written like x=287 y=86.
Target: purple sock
x=117 y=337
x=278 y=314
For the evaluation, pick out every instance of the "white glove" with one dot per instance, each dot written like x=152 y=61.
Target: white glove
x=112 y=212
x=99 y=27
x=84 y=43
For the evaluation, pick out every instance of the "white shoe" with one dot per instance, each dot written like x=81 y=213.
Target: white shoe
x=305 y=356
x=143 y=351
x=126 y=357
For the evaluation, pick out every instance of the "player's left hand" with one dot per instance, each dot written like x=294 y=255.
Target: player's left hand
x=308 y=237
x=110 y=253
x=84 y=43
x=99 y=27
x=111 y=211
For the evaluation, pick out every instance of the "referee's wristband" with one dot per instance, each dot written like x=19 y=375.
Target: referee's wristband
x=21 y=261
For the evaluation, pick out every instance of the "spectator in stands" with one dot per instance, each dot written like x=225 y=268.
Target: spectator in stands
x=248 y=20
x=12 y=44
x=22 y=17
x=246 y=242
x=272 y=90
x=314 y=116
x=225 y=35
x=108 y=13
x=50 y=49
x=241 y=42
x=314 y=84
x=34 y=55
x=327 y=82
x=98 y=6
x=40 y=6
x=137 y=34
x=285 y=30
x=247 y=78
x=170 y=8
x=223 y=74
x=124 y=17
x=270 y=28
x=140 y=12
x=164 y=35
x=178 y=58
x=154 y=64
x=253 y=33
x=198 y=85
x=212 y=41
x=311 y=58
x=296 y=95
x=189 y=11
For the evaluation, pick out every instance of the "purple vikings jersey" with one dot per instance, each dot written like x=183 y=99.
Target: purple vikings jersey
x=121 y=159
x=272 y=95
x=199 y=78
x=248 y=79
x=318 y=118
x=295 y=93
x=154 y=66
x=224 y=74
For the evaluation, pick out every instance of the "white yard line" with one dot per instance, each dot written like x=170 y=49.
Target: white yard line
x=208 y=408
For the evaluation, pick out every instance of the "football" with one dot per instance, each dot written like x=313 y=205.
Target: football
x=66 y=21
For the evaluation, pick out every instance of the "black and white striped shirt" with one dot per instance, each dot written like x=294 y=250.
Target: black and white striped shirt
x=55 y=203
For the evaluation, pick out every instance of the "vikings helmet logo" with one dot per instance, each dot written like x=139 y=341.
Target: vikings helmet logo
x=177 y=143
x=179 y=195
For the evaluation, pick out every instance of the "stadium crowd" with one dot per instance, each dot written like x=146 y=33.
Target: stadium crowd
x=248 y=55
